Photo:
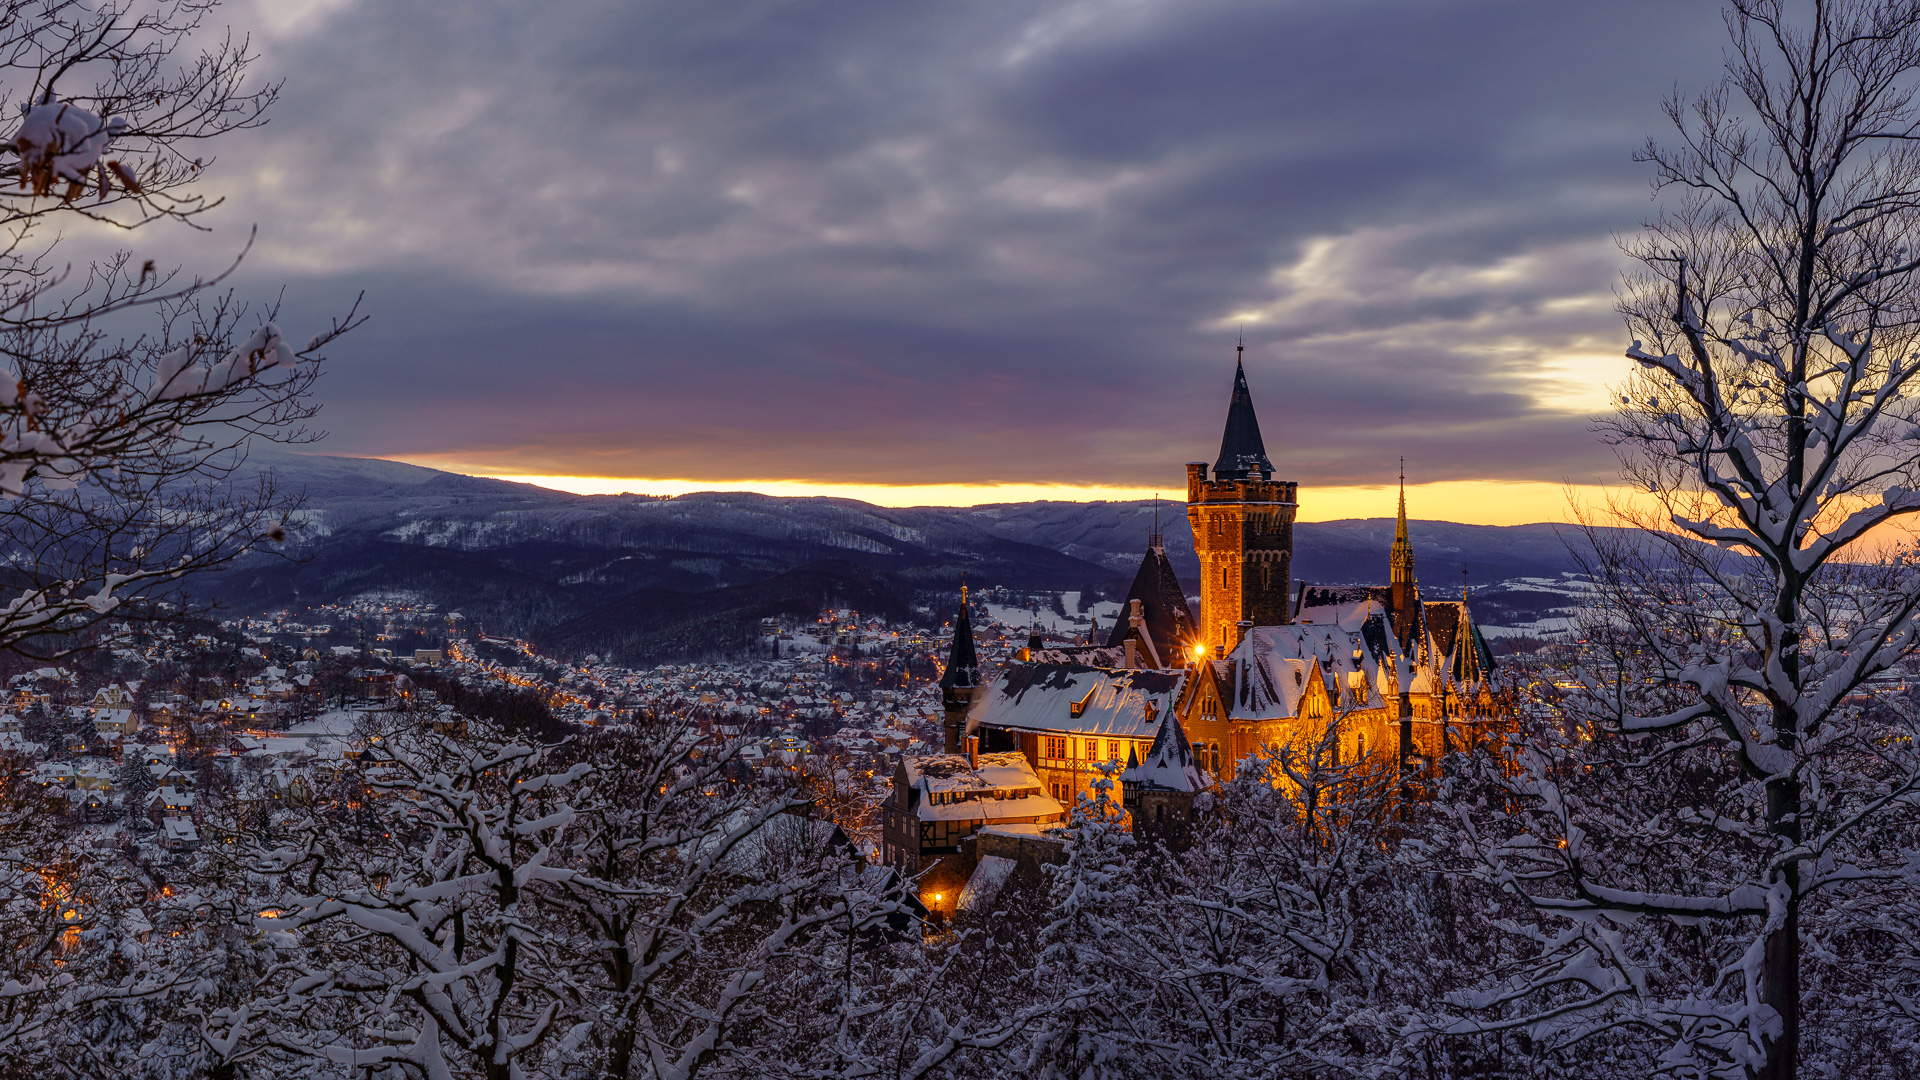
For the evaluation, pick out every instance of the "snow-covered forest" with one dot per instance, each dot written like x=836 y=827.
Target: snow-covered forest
x=457 y=901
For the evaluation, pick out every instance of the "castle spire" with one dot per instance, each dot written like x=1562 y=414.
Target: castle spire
x=1402 y=557
x=1242 y=451
x=962 y=677
x=963 y=664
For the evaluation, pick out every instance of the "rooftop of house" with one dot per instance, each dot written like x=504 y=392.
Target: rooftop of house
x=1268 y=674
x=1077 y=699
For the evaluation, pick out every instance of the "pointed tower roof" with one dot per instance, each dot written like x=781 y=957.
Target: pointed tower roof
x=1162 y=601
x=1409 y=616
x=1242 y=451
x=1169 y=765
x=1400 y=524
x=963 y=664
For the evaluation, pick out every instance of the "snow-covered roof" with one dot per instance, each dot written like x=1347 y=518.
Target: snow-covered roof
x=953 y=772
x=12 y=742
x=1076 y=699
x=1267 y=675
x=993 y=787
x=1169 y=764
x=990 y=875
x=1035 y=807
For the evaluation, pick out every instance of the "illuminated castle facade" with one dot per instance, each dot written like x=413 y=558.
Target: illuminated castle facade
x=1242 y=522
x=1180 y=699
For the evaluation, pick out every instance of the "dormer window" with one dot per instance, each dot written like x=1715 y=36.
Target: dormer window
x=1080 y=706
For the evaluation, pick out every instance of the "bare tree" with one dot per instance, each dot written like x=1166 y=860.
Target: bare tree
x=128 y=391
x=1769 y=430
x=418 y=950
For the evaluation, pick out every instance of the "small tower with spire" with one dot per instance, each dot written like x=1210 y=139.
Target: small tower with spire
x=1242 y=521
x=962 y=677
x=1402 y=557
x=1158 y=792
x=1409 y=626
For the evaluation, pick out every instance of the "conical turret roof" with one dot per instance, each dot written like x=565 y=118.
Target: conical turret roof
x=963 y=664
x=1162 y=601
x=1169 y=765
x=1242 y=451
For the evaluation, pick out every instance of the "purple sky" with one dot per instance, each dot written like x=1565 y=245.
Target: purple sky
x=959 y=242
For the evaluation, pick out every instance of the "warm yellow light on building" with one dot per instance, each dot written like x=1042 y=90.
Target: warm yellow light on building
x=1199 y=652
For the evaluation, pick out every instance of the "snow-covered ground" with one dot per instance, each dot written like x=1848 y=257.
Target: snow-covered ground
x=1073 y=622
x=1553 y=599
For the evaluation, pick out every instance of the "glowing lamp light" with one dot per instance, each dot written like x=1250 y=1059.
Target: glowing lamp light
x=1199 y=652
x=937 y=896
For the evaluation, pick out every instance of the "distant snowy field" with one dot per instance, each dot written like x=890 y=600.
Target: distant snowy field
x=1074 y=622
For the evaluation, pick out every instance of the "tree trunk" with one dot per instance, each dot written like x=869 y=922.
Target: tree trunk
x=1780 y=964
x=620 y=1053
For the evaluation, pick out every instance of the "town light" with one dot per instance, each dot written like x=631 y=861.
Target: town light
x=1199 y=652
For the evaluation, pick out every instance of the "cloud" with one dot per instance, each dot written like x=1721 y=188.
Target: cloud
x=962 y=243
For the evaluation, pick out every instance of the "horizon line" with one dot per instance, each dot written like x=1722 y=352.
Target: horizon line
x=1487 y=502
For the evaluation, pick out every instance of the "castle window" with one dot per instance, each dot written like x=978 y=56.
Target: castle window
x=1113 y=750
x=1226 y=577
x=1056 y=747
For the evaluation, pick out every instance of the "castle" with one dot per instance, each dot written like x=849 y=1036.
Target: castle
x=1265 y=663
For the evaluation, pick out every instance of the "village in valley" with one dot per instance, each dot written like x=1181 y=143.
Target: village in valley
x=935 y=749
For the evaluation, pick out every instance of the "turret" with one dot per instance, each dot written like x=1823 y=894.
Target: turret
x=1403 y=596
x=1409 y=625
x=1158 y=792
x=1400 y=562
x=962 y=676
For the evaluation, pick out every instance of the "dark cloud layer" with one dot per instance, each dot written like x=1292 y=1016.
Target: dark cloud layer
x=848 y=241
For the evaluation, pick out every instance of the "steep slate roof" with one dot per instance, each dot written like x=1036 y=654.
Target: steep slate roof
x=1269 y=672
x=1471 y=658
x=1242 y=451
x=963 y=664
x=1162 y=602
x=1333 y=603
x=1169 y=765
x=1045 y=697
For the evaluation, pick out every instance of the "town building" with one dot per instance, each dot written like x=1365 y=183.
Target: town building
x=939 y=801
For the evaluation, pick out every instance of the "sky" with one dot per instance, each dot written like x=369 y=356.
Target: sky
x=948 y=253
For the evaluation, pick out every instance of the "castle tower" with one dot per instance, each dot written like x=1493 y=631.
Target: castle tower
x=962 y=676
x=1242 y=522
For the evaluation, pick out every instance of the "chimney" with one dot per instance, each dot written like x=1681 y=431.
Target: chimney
x=973 y=751
x=1244 y=625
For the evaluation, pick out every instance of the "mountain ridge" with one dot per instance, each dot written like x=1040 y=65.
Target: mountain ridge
x=530 y=561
